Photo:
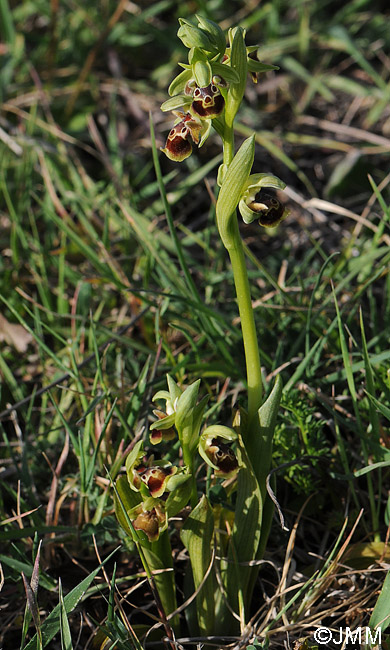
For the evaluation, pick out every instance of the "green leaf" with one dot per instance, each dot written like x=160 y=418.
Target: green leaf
x=385 y=410
x=197 y=537
x=232 y=187
x=52 y=624
x=267 y=418
x=66 y=637
x=237 y=574
x=380 y=617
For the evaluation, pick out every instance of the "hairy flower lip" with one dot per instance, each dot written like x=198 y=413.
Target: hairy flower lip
x=270 y=211
x=223 y=457
x=156 y=478
x=259 y=202
x=208 y=102
x=151 y=521
x=178 y=147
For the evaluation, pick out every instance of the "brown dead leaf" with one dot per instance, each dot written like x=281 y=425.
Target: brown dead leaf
x=14 y=334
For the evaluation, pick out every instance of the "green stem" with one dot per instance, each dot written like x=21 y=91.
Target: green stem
x=249 y=334
x=233 y=244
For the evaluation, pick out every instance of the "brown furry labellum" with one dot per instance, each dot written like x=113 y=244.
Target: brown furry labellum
x=207 y=102
x=222 y=456
x=156 y=479
x=150 y=522
x=269 y=209
x=178 y=147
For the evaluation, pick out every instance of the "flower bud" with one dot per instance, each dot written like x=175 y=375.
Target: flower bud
x=207 y=36
x=192 y=36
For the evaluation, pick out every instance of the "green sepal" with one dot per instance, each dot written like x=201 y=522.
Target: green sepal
x=179 y=83
x=164 y=423
x=215 y=32
x=256 y=66
x=202 y=73
x=201 y=68
x=174 y=390
x=197 y=537
x=226 y=72
x=189 y=416
x=180 y=494
x=205 y=132
x=197 y=417
x=125 y=499
x=233 y=185
x=178 y=101
x=161 y=394
x=132 y=461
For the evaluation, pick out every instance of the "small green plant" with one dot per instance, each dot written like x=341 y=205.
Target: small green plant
x=227 y=528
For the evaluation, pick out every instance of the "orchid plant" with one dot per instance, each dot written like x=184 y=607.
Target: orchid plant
x=226 y=530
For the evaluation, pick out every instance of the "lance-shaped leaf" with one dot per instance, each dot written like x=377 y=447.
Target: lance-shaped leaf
x=380 y=617
x=246 y=532
x=233 y=184
x=259 y=440
x=197 y=537
x=51 y=625
x=239 y=63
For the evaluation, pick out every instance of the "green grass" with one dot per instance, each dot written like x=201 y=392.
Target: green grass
x=106 y=301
